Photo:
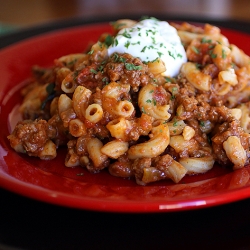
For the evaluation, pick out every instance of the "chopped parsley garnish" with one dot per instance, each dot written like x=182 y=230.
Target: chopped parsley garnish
x=115 y=42
x=91 y=52
x=212 y=55
x=154 y=102
x=151 y=101
x=198 y=66
x=156 y=60
x=174 y=92
x=118 y=58
x=71 y=62
x=105 y=80
x=75 y=74
x=195 y=50
x=100 y=68
x=139 y=42
x=224 y=55
x=205 y=40
x=93 y=71
x=159 y=53
x=143 y=110
x=109 y=40
x=175 y=123
x=171 y=54
x=168 y=79
x=202 y=123
x=147 y=17
x=131 y=66
x=126 y=34
x=144 y=48
x=127 y=44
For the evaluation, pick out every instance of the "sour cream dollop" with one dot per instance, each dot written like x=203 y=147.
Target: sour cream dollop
x=151 y=39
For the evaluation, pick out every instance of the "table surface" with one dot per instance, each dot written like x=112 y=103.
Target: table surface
x=30 y=224
x=29 y=12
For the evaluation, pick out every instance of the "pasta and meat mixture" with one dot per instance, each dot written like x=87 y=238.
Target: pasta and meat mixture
x=120 y=113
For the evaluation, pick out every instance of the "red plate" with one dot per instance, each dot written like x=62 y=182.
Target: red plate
x=50 y=181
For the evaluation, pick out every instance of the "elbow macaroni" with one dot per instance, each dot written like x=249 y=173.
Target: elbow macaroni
x=158 y=142
x=149 y=106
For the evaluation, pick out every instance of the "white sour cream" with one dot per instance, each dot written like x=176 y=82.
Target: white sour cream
x=151 y=39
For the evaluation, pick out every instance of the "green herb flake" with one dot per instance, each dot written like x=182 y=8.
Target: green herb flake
x=195 y=50
x=143 y=110
x=159 y=53
x=211 y=46
x=224 y=55
x=91 y=52
x=100 y=68
x=171 y=54
x=144 y=48
x=205 y=40
x=154 y=102
x=105 y=80
x=198 y=65
x=130 y=66
x=109 y=40
x=202 y=123
x=175 y=123
x=93 y=71
x=126 y=34
x=174 y=91
x=127 y=44
x=136 y=43
x=116 y=42
x=118 y=58
x=168 y=79
x=75 y=75
x=100 y=44
x=71 y=62
x=212 y=55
